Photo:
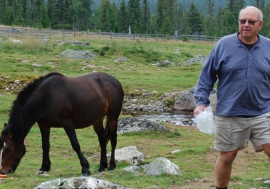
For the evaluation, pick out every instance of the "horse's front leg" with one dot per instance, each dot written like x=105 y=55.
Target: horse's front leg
x=76 y=146
x=45 y=137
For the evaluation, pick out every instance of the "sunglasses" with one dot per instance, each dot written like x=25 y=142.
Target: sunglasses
x=250 y=22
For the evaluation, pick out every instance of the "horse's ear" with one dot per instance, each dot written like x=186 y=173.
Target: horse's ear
x=5 y=124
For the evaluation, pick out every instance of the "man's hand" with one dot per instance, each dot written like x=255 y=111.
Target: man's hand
x=199 y=109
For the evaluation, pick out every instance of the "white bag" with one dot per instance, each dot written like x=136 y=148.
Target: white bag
x=205 y=121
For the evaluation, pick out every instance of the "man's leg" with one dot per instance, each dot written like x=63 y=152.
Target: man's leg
x=223 y=168
x=266 y=149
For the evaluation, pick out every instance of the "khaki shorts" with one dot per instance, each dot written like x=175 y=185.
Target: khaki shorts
x=235 y=132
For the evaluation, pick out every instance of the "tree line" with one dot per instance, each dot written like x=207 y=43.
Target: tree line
x=135 y=15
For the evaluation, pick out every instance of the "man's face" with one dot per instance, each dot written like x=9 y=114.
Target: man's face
x=249 y=24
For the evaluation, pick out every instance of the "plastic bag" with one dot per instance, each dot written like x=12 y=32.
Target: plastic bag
x=205 y=121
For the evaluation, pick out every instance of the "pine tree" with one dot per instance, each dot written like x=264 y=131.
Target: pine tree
x=210 y=4
x=258 y=3
x=160 y=14
x=134 y=15
x=122 y=17
x=194 y=19
x=179 y=16
x=103 y=16
x=209 y=23
x=43 y=16
x=71 y=14
x=232 y=13
x=234 y=6
x=266 y=20
x=50 y=10
x=25 y=6
x=113 y=11
x=145 y=15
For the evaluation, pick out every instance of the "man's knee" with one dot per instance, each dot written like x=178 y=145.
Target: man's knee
x=228 y=157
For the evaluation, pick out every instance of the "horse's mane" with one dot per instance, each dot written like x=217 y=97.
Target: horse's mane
x=17 y=113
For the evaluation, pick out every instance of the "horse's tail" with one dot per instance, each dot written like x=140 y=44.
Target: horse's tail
x=107 y=131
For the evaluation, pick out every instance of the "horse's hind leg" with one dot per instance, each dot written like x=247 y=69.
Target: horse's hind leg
x=98 y=127
x=112 y=124
x=45 y=137
x=76 y=146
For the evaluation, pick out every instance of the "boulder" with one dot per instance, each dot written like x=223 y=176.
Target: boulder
x=128 y=154
x=186 y=100
x=159 y=166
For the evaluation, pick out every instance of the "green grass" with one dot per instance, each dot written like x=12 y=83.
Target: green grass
x=137 y=76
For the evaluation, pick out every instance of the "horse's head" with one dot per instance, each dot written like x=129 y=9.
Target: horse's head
x=11 y=153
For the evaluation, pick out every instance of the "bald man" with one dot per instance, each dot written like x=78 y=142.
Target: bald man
x=240 y=63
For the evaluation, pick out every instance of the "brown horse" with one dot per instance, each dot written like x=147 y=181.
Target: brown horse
x=63 y=102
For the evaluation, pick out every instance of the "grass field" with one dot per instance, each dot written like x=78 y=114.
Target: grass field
x=197 y=158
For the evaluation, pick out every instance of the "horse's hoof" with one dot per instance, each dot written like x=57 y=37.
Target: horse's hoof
x=42 y=173
x=111 y=169
x=86 y=174
x=101 y=170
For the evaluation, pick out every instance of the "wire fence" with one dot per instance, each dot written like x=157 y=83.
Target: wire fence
x=24 y=32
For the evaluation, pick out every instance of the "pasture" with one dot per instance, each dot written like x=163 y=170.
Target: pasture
x=33 y=58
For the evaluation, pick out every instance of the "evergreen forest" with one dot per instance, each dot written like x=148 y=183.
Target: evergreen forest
x=203 y=17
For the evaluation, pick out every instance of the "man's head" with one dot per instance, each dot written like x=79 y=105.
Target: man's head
x=250 y=23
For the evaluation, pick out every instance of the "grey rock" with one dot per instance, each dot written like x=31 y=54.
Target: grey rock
x=128 y=154
x=76 y=54
x=122 y=59
x=138 y=125
x=187 y=102
x=159 y=166
x=79 y=182
x=200 y=59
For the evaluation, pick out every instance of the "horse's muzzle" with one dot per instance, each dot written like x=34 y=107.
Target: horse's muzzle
x=8 y=172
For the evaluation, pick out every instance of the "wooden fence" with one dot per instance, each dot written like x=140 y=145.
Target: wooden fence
x=23 y=32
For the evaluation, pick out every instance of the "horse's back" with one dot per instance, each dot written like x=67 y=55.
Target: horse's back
x=84 y=99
